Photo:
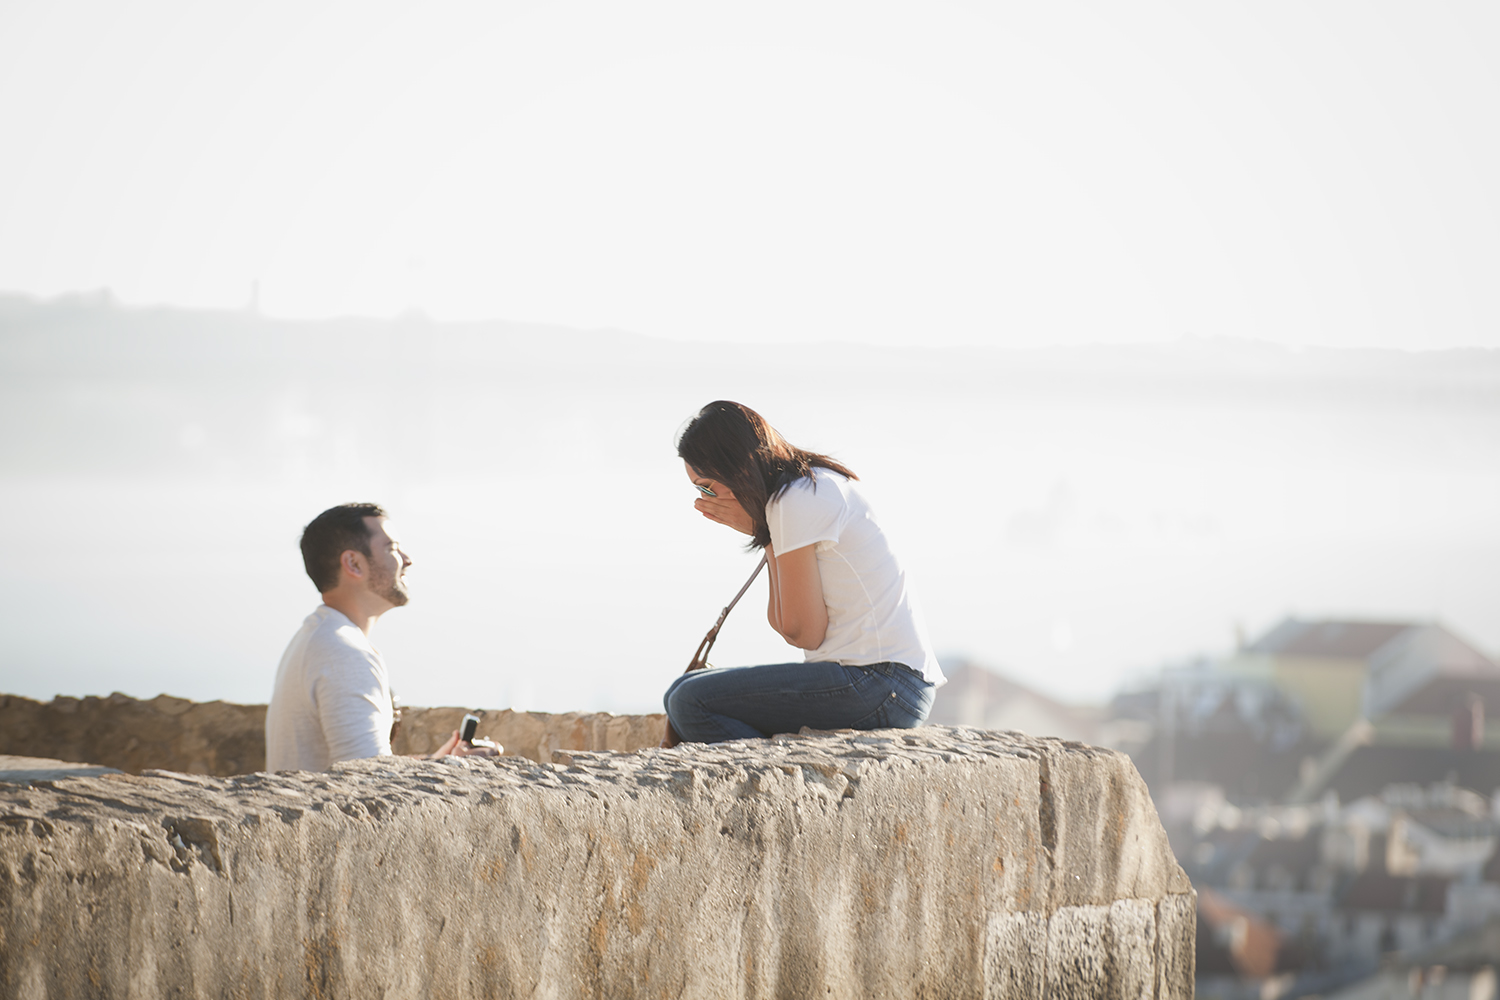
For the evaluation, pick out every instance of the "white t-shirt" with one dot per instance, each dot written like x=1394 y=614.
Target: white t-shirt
x=872 y=615
x=332 y=699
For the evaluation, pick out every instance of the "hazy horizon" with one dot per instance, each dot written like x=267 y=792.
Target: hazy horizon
x=1074 y=517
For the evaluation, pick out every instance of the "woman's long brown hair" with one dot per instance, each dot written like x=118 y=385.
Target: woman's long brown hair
x=733 y=444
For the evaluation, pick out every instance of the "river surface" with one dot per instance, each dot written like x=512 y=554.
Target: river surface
x=1074 y=518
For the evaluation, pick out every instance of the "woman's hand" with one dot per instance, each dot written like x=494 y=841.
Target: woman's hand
x=726 y=510
x=721 y=506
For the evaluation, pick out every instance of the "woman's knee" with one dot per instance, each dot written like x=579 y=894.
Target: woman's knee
x=680 y=696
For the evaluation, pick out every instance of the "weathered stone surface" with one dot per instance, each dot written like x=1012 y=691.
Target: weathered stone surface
x=533 y=735
x=216 y=737
x=899 y=863
x=223 y=738
x=23 y=770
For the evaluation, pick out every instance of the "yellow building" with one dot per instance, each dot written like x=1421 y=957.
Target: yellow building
x=1401 y=676
x=1322 y=665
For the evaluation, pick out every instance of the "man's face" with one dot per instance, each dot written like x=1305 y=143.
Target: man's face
x=388 y=563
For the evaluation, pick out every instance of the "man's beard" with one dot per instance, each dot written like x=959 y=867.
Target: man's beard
x=389 y=586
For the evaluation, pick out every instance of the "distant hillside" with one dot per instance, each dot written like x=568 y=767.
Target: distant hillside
x=1074 y=513
x=89 y=385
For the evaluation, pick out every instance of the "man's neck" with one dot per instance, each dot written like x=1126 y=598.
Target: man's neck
x=353 y=608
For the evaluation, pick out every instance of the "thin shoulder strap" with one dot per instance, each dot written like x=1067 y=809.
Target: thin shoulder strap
x=700 y=659
x=730 y=607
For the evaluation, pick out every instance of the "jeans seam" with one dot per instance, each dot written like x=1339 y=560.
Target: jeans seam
x=905 y=692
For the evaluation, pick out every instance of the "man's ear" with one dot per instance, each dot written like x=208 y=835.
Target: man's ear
x=353 y=563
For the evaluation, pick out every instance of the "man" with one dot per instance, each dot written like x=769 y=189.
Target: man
x=332 y=699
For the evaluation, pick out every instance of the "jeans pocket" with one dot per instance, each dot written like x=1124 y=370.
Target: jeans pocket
x=904 y=706
x=912 y=699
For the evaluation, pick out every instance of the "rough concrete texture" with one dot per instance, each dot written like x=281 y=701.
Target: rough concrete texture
x=23 y=770
x=898 y=863
x=215 y=737
x=534 y=735
x=222 y=738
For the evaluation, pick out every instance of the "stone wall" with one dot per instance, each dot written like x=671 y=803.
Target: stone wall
x=222 y=738
x=533 y=735
x=216 y=737
x=900 y=863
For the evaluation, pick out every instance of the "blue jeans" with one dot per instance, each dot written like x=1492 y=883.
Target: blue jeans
x=735 y=703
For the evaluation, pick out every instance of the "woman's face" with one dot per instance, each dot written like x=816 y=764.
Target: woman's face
x=706 y=486
x=717 y=503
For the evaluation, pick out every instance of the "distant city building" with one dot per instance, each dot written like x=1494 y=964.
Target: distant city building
x=1343 y=671
x=1348 y=706
x=1325 y=895
x=1332 y=793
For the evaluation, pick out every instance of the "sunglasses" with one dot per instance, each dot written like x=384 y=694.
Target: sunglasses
x=706 y=491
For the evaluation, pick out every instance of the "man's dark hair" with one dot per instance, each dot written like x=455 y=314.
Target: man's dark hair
x=332 y=533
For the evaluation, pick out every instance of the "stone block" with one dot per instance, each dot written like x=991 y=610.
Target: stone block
x=224 y=738
x=897 y=863
x=23 y=770
x=533 y=735
x=215 y=737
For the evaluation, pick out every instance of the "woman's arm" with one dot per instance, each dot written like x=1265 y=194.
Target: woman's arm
x=796 y=607
x=773 y=595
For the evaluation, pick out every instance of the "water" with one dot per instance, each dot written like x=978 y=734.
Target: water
x=1075 y=518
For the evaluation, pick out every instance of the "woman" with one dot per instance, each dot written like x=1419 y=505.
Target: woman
x=837 y=591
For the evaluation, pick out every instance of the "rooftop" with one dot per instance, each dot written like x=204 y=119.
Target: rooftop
x=1339 y=639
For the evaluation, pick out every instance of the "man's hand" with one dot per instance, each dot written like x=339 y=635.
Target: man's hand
x=456 y=747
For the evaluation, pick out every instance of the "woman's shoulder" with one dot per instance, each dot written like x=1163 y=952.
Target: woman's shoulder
x=820 y=480
x=822 y=488
x=827 y=480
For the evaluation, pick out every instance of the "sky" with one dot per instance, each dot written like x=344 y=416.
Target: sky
x=759 y=184
x=1014 y=175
